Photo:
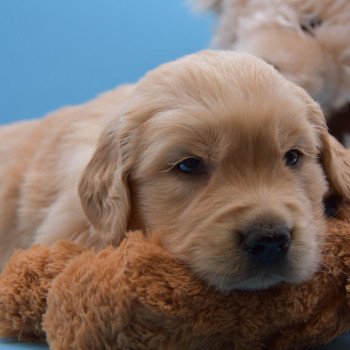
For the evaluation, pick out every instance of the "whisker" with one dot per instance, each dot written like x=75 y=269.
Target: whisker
x=328 y=273
x=337 y=240
x=336 y=257
x=340 y=239
x=338 y=268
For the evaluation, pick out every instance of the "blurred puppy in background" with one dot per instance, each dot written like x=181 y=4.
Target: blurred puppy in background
x=308 y=41
x=217 y=151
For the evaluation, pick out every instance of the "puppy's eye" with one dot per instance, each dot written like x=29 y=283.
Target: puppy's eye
x=292 y=157
x=192 y=166
x=311 y=25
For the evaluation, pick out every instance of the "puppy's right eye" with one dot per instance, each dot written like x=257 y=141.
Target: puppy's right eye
x=193 y=166
x=292 y=157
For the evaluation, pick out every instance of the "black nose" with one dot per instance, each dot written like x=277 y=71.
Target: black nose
x=266 y=243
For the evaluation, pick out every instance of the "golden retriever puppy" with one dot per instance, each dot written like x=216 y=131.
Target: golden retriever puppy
x=307 y=40
x=217 y=152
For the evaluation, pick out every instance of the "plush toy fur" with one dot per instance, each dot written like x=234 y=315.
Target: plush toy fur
x=138 y=296
x=307 y=40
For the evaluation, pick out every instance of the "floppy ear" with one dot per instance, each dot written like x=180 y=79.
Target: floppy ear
x=336 y=164
x=103 y=187
x=335 y=159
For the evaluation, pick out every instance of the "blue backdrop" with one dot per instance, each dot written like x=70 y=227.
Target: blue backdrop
x=59 y=52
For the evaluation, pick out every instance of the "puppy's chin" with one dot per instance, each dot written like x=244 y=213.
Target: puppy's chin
x=251 y=277
x=260 y=282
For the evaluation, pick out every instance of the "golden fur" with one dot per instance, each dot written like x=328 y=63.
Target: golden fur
x=307 y=40
x=233 y=111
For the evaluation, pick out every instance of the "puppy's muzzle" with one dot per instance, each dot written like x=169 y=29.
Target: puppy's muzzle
x=266 y=242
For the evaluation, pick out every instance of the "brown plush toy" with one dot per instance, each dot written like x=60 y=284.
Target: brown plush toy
x=138 y=296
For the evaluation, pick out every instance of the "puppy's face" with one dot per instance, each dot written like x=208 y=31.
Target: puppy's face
x=221 y=154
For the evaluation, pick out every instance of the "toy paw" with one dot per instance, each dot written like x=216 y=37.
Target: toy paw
x=24 y=284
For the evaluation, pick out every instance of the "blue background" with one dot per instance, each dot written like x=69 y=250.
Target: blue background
x=59 y=52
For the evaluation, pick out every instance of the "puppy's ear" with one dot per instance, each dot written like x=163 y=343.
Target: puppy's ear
x=103 y=187
x=336 y=163
x=334 y=158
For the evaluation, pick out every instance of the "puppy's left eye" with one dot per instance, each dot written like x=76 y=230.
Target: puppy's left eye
x=292 y=157
x=192 y=166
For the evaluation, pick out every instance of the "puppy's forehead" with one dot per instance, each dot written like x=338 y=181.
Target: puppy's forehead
x=220 y=84
x=211 y=76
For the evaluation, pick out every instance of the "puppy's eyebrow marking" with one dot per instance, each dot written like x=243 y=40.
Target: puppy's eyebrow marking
x=305 y=145
x=299 y=136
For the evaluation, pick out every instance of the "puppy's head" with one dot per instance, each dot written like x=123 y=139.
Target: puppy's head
x=306 y=40
x=228 y=159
